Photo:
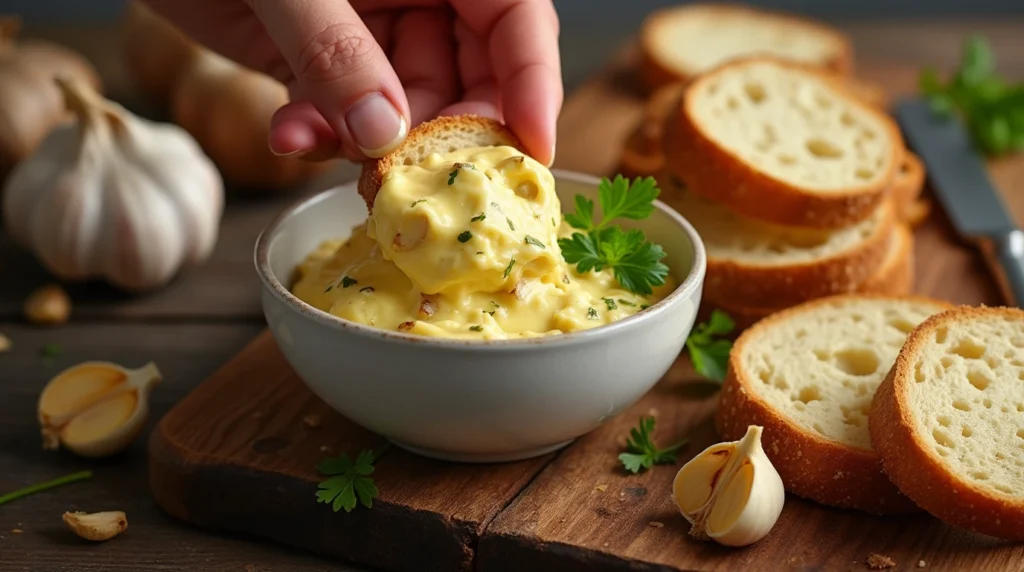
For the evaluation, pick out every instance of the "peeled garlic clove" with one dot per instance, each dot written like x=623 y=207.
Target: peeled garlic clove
x=730 y=492
x=96 y=409
x=47 y=306
x=98 y=526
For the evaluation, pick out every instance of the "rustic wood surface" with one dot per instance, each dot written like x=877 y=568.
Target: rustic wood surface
x=192 y=328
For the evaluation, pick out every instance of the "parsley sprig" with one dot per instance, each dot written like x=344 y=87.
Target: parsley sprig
x=710 y=356
x=635 y=261
x=641 y=451
x=348 y=481
x=991 y=108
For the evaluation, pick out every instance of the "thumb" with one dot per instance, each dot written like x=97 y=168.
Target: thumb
x=341 y=70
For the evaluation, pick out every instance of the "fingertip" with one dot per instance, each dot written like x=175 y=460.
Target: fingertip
x=531 y=105
x=298 y=129
x=291 y=138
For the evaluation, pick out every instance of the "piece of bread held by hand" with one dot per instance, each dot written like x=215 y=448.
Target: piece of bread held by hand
x=948 y=421
x=781 y=143
x=441 y=135
x=807 y=375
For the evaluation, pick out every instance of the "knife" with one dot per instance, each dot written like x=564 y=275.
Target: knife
x=961 y=182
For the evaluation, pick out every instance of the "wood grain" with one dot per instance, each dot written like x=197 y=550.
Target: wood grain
x=243 y=435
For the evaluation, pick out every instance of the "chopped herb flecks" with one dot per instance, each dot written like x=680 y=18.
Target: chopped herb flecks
x=644 y=306
x=496 y=206
x=610 y=303
x=488 y=312
x=477 y=328
x=553 y=222
x=452 y=175
x=465 y=236
x=510 y=225
x=346 y=282
x=478 y=218
x=495 y=304
x=367 y=289
x=626 y=302
x=508 y=269
x=534 y=241
x=414 y=203
x=592 y=313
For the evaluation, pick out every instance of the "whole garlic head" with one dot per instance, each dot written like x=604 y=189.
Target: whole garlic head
x=114 y=196
x=730 y=492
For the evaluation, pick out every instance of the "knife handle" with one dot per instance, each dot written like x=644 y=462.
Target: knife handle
x=1009 y=251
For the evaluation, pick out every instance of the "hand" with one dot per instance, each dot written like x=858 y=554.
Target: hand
x=361 y=72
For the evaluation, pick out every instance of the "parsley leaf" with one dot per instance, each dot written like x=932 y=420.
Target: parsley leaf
x=465 y=236
x=641 y=451
x=478 y=217
x=710 y=356
x=349 y=483
x=592 y=313
x=634 y=261
x=992 y=109
x=610 y=303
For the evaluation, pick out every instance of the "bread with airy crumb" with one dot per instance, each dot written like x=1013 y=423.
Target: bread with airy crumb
x=777 y=142
x=682 y=42
x=763 y=265
x=948 y=421
x=440 y=135
x=807 y=375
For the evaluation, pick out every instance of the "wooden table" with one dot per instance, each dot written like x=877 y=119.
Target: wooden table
x=190 y=328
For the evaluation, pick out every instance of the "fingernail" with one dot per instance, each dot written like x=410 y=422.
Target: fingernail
x=376 y=126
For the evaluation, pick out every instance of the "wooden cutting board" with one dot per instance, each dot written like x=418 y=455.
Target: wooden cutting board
x=238 y=453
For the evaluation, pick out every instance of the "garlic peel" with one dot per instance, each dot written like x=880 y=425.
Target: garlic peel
x=97 y=526
x=114 y=196
x=730 y=492
x=96 y=409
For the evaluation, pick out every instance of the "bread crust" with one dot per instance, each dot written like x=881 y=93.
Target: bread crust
x=781 y=286
x=431 y=135
x=810 y=465
x=716 y=173
x=641 y=154
x=913 y=466
x=655 y=72
x=907 y=187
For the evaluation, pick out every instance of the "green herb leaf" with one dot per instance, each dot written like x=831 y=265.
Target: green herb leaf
x=583 y=218
x=710 y=356
x=414 y=203
x=44 y=486
x=366 y=289
x=51 y=350
x=641 y=451
x=347 y=281
x=478 y=218
x=508 y=269
x=620 y=199
x=592 y=313
x=451 y=181
x=627 y=303
x=349 y=483
x=510 y=225
x=610 y=303
x=534 y=242
x=465 y=236
x=476 y=328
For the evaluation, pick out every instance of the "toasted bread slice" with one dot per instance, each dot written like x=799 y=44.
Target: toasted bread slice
x=641 y=154
x=868 y=92
x=763 y=265
x=948 y=421
x=906 y=190
x=783 y=144
x=440 y=135
x=807 y=375
x=682 y=42
x=895 y=277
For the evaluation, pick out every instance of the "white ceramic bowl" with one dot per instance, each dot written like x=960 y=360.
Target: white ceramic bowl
x=474 y=401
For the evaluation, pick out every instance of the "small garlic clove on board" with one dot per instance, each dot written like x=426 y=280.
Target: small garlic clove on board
x=96 y=409
x=97 y=526
x=730 y=492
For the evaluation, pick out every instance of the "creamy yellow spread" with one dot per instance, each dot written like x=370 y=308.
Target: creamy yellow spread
x=464 y=246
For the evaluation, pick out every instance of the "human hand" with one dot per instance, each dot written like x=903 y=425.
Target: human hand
x=361 y=72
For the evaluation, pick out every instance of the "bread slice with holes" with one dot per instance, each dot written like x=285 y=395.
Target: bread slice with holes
x=762 y=265
x=784 y=144
x=682 y=42
x=895 y=277
x=948 y=421
x=440 y=135
x=807 y=375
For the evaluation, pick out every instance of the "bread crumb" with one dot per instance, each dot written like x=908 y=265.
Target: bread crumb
x=5 y=343
x=880 y=562
x=601 y=488
x=312 y=420
x=16 y=531
x=921 y=564
x=656 y=524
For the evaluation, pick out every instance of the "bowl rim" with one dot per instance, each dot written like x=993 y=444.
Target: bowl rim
x=685 y=290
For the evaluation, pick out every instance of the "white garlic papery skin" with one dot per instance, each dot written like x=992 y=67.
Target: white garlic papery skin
x=114 y=196
x=730 y=492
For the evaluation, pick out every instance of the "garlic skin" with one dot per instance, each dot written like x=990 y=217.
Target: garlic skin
x=730 y=492
x=97 y=526
x=96 y=409
x=114 y=196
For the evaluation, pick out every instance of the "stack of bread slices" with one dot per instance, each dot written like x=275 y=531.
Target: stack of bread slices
x=792 y=172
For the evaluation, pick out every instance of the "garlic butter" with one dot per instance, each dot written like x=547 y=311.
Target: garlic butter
x=465 y=245
x=730 y=492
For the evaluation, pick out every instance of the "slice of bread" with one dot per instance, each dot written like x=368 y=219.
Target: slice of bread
x=762 y=265
x=783 y=144
x=868 y=92
x=807 y=375
x=440 y=135
x=895 y=277
x=680 y=43
x=641 y=154
x=948 y=421
x=906 y=190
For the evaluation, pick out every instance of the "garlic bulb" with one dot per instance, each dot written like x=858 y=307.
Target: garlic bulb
x=730 y=492
x=114 y=196
x=155 y=52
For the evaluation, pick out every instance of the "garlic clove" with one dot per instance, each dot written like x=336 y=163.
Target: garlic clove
x=47 y=306
x=97 y=526
x=730 y=492
x=96 y=409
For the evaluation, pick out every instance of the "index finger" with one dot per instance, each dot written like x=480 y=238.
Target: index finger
x=522 y=41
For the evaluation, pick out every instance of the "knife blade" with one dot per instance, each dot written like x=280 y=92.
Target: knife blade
x=960 y=180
